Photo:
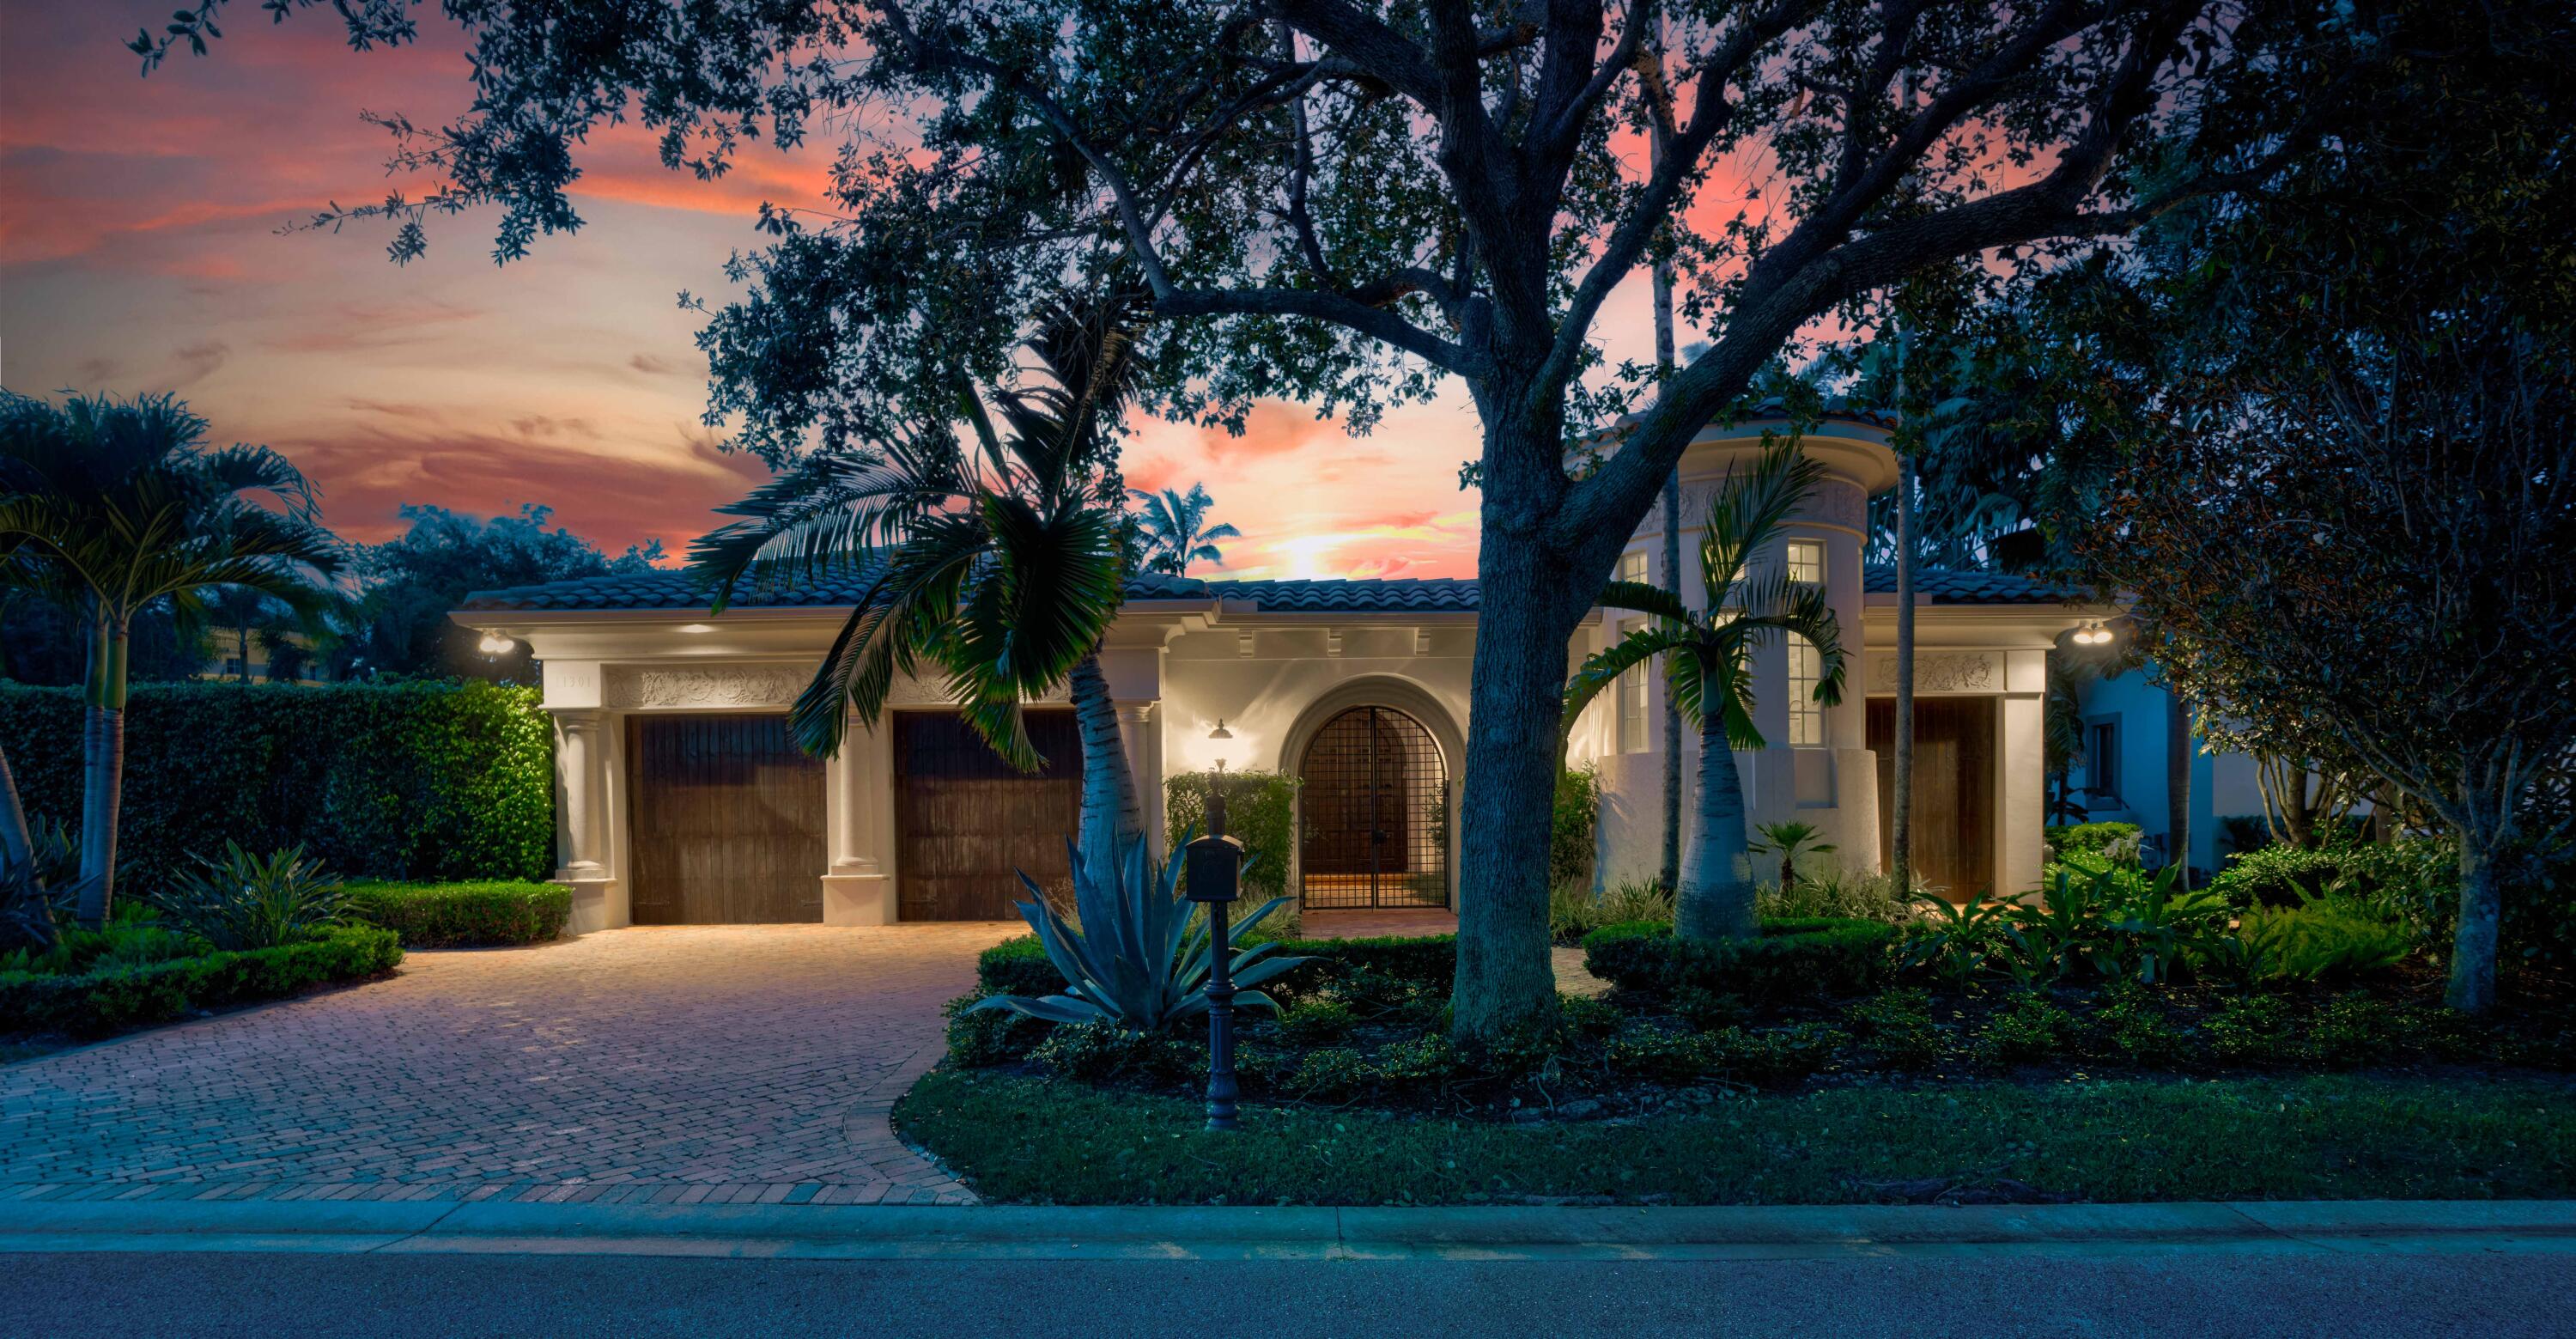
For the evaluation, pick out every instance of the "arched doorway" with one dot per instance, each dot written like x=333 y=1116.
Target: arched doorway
x=1373 y=814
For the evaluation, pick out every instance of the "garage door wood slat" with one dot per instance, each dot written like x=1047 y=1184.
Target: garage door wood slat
x=727 y=822
x=967 y=824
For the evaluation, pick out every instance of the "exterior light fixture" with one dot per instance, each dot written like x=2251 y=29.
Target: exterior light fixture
x=1220 y=732
x=2091 y=634
x=494 y=644
x=695 y=627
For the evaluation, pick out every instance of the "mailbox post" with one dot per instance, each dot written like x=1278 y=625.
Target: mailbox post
x=1215 y=868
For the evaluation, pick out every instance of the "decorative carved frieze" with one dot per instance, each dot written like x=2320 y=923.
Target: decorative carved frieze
x=1941 y=672
x=708 y=686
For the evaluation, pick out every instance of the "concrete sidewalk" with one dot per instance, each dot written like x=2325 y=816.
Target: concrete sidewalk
x=782 y=1231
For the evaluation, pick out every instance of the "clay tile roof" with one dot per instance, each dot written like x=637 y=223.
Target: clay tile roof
x=1951 y=586
x=1380 y=595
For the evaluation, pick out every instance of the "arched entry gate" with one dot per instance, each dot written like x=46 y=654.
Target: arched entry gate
x=1374 y=808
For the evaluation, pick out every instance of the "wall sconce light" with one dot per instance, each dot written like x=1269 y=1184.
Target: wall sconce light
x=2091 y=634
x=494 y=644
x=1220 y=732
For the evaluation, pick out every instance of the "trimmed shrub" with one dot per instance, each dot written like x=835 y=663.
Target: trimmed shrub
x=1794 y=959
x=1260 y=808
x=2032 y=1027
x=2088 y=838
x=115 y=999
x=1571 y=847
x=481 y=913
x=411 y=780
x=1020 y=967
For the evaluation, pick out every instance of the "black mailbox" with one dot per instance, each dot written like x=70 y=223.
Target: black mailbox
x=1214 y=869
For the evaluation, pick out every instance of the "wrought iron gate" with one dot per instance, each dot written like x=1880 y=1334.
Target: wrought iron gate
x=1373 y=826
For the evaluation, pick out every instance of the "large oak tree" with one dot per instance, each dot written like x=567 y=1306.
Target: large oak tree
x=1346 y=202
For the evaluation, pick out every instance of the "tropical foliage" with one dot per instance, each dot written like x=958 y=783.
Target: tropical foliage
x=239 y=900
x=400 y=625
x=995 y=561
x=113 y=506
x=1707 y=661
x=1141 y=955
x=1176 y=532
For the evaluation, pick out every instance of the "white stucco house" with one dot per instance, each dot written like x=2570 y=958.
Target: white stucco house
x=681 y=798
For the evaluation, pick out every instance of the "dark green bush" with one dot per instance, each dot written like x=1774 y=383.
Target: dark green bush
x=2134 y=1028
x=459 y=915
x=114 y=999
x=1317 y=1022
x=2032 y=1027
x=1755 y=1055
x=1260 y=808
x=415 y=780
x=1898 y=1026
x=1793 y=959
x=2250 y=1030
x=2086 y=838
x=978 y=1037
x=1571 y=846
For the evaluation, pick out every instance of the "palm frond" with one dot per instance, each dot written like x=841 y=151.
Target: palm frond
x=1603 y=667
x=1645 y=598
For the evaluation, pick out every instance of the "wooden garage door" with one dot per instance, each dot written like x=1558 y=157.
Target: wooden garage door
x=726 y=821
x=1954 y=790
x=967 y=823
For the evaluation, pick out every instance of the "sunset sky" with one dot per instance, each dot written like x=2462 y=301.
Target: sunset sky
x=140 y=251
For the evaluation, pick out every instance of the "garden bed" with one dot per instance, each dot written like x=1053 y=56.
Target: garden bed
x=118 y=998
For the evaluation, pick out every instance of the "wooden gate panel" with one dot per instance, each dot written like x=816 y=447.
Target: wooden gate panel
x=726 y=822
x=967 y=824
x=1373 y=814
x=1954 y=790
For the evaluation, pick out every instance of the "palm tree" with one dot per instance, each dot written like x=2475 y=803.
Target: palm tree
x=1789 y=841
x=1002 y=564
x=113 y=505
x=1171 y=521
x=1706 y=654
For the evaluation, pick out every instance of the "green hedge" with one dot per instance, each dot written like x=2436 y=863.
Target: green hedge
x=97 y=1003
x=1260 y=808
x=403 y=781
x=1020 y=967
x=2087 y=838
x=464 y=915
x=1572 y=846
x=1793 y=959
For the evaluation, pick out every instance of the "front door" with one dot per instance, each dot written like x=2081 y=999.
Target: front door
x=1373 y=814
x=1954 y=790
x=727 y=821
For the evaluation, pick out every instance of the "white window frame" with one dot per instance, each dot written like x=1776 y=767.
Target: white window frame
x=1805 y=560
x=1630 y=701
x=1806 y=714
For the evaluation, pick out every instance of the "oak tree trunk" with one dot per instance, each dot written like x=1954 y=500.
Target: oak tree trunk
x=2178 y=788
x=2473 y=949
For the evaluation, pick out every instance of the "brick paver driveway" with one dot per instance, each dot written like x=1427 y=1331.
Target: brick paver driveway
x=672 y=1064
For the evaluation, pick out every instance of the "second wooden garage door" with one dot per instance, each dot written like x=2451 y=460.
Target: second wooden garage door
x=967 y=823
x=1954 y=790
x=727 y=821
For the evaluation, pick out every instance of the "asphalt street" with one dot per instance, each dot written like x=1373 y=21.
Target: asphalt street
x=273 y=1296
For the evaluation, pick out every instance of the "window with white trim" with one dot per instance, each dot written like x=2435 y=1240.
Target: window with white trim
x=1806 y=560
x=1806 y=714
x=1629 y=699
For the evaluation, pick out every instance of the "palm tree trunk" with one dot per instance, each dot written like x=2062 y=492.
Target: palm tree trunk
x=2178 y=788
x=1669 y=872
x=103 y=747
x=1716 y=897
x=17 y=846
x=1900 y=863
x=1111 y=817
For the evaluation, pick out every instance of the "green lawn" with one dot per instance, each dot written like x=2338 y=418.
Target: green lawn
x=1028 y=1140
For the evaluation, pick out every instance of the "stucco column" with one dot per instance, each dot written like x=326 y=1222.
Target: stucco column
x=857 y=886
x=581 y=821
x=1141 y=735
x=577 y=773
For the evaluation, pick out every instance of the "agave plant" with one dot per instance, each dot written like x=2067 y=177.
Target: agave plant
x=1140 y=958
x=244 y=901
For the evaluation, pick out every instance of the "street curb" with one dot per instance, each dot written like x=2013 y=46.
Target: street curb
x=1024 y=1232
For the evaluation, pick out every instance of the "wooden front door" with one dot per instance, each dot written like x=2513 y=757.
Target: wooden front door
x=726 y=821
x=968 y=824
x=1954 y=790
